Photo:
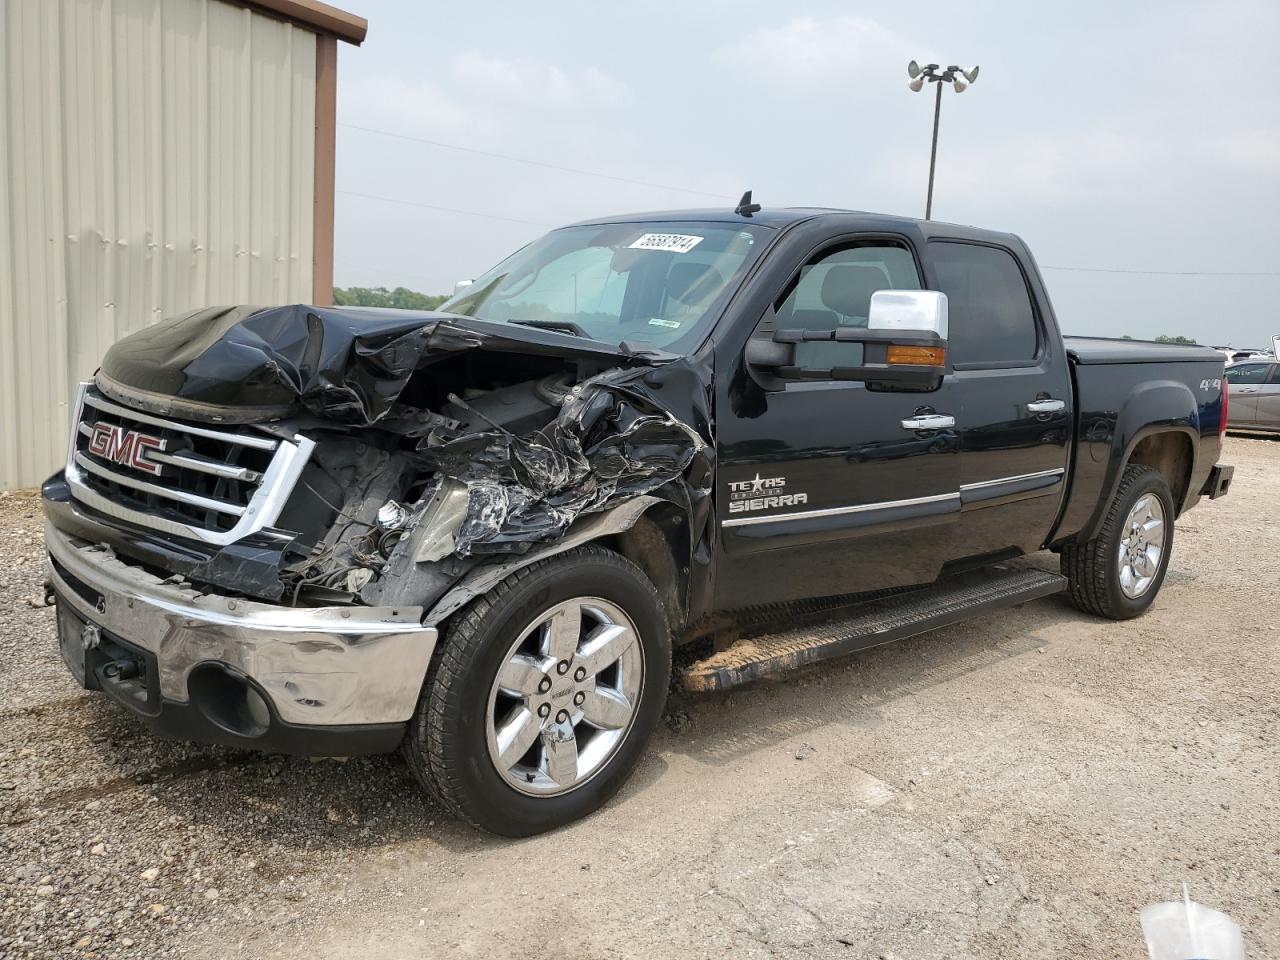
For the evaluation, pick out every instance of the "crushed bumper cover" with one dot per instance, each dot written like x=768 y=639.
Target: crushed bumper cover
x=321 y=680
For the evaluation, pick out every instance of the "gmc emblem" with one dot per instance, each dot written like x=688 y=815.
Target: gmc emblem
x=125 y=447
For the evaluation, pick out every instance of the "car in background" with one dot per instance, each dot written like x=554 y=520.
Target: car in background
x=1255 y=395
x=1236 y=354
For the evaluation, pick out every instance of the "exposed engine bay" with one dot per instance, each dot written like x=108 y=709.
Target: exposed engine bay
x=440 y=442
x=361 y=491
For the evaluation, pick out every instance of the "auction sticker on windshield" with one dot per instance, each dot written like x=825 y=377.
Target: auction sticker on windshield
x=672 y=242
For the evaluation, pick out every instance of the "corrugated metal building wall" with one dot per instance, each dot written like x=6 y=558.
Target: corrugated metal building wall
x=155 y=156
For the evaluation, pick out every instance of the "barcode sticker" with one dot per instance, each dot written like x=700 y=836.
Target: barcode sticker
x=671 y=242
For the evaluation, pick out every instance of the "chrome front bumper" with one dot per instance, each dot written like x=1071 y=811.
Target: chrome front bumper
x=317 y=666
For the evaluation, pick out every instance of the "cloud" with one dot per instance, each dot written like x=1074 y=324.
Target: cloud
x=809 y=51
x=1249 y=152
x=526 y=82
x=483 y=99
x=1101 y=164
x=566 y=116
x=401 y=106
x=1036 y=168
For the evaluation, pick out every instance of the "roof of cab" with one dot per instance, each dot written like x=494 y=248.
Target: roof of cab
x=780 y=217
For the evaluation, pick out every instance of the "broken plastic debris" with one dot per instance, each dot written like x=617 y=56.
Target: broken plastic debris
x=1185 y=930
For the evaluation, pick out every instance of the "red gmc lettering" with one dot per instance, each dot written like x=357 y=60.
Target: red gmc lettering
x=127 y=447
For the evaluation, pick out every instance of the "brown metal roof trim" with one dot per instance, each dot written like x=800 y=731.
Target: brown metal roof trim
x=314 y=15
x=326 y=146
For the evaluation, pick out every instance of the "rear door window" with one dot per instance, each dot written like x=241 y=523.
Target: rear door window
x=991 y=318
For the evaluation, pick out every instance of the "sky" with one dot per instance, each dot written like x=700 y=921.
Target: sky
x=1134 y=146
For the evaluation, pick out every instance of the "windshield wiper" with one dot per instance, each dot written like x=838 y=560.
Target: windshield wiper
x=645 y=350
x=563 y=326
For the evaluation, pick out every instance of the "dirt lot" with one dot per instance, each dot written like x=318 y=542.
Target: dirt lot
x=1015 y=787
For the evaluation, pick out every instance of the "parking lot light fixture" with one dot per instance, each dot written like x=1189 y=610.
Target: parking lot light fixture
x=933 y=73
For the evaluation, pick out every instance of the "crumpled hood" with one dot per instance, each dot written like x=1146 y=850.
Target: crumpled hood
x=244 y=364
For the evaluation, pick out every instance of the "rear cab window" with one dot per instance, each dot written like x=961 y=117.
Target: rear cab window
x=991 y=317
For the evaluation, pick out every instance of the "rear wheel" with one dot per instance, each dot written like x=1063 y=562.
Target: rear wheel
x=1118 y=573
x=542 y=697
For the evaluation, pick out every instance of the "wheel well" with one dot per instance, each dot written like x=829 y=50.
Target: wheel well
x=658 y=543
x=1171 y=454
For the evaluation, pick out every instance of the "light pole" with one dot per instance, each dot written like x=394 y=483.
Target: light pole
x=960 y=79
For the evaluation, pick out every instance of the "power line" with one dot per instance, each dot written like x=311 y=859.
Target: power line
x=432 y=206
x=1167 y=273
x=533 y=163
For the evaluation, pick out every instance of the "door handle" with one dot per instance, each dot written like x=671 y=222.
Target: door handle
x=1045 y=406
x=1247 y=390
x=929 y=421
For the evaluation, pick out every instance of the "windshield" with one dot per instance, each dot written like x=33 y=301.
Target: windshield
x=656 y=283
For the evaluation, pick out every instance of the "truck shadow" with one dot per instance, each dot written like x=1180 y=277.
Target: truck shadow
x=297 y=810
x=303 y=810
x=852 y=690
x=1260 y=435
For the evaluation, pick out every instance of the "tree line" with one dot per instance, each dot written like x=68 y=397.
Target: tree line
x=401 y=298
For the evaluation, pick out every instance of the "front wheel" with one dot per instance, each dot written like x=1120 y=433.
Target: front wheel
x=1118 y=573
x=545 y=691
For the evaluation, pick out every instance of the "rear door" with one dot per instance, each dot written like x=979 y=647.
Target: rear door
x=1246 y=381
x=825 y=487
x=1016 y=400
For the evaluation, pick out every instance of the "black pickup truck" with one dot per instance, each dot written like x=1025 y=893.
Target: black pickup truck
x=777 y=435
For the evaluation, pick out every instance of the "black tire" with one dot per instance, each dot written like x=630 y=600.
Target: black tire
x=1093 y=568
x=446 y=743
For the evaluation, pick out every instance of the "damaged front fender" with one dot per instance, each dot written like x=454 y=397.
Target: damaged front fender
x=610 y=443
x=484 y=578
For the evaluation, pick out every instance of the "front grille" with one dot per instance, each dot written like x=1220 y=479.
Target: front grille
x=181 y=478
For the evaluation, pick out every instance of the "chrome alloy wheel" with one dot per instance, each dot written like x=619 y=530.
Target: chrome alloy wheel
x=565 y=696
x=1141 y=546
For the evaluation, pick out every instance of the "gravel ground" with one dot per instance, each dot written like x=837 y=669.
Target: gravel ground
x=1018 y=786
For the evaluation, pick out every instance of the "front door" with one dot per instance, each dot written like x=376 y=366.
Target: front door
x=825 y=487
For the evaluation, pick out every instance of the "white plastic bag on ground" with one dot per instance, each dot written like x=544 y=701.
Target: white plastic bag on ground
x=1183 y=930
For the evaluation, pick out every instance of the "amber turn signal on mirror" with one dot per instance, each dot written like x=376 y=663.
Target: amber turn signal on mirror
x=917 y=356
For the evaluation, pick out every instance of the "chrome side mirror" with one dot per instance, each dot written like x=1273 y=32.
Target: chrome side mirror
x=920 y=311
x=904 y=345
x=461 y=285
